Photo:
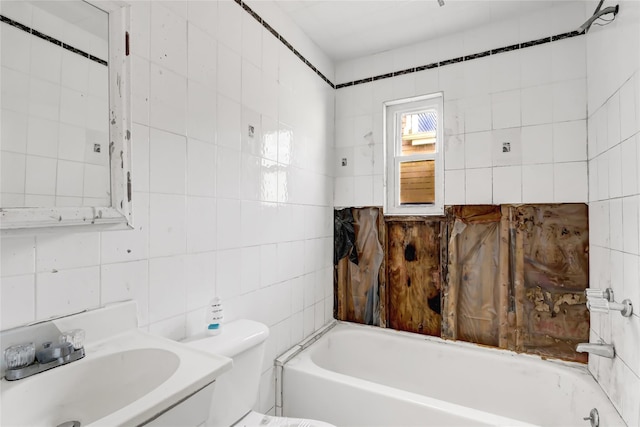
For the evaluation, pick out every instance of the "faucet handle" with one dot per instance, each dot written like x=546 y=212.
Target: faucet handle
x=75 y=337
x=606 y=294
x=19 y=356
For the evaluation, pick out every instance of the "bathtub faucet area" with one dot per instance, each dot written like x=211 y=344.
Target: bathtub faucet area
x=599 y=349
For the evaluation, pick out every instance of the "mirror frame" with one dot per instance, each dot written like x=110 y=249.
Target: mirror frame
x=118 y=216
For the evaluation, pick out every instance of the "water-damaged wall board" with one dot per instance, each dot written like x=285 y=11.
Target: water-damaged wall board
x=413 y=275
x=357 y=265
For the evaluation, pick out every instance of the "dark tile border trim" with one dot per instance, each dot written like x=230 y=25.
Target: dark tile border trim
x=284 y=41
x=408 y=70
x=288 y=45
x=463 y=58
x=52 y=40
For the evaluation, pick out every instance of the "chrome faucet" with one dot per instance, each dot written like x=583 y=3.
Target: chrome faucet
x=23 y=360
x=599 y=349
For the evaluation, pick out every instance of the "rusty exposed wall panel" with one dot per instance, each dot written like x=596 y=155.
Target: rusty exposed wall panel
x=514 y=276
x=356 y=285
x=471 y=294
x=413 y=281
x=555 y=243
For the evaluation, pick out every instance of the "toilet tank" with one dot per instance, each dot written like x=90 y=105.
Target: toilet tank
x=236 y=391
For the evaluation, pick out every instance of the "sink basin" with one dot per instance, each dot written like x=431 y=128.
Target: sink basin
x=128 y=377
x=88 y=390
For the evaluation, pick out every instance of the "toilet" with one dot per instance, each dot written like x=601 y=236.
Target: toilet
x=236 y=391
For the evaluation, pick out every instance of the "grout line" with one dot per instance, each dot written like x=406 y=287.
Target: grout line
x=52 y=40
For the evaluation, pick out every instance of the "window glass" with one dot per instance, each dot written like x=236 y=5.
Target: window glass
x=417 y=182
x=419 y=132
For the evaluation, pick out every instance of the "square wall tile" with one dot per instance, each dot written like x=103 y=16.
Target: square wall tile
x=67 y=291
x=537 y=183
x=363 y=190
x=228 y=223
x=58 y=252
x=229 y=123
x=42 y=137
x=507 y=184
x=569 y=59
x=613 y=119
x=127 y=280
x=167 y=100
x=628 y=110
x=537 y=105
x=201 y=171
x=12 y=173
x=18 y=301
x=344 y=191
x=629 y=169
x=229 y=72
x=200 y=274
x=477 y=113
x=570 y=182
x=537 y=144
x=454 y=187
x=167 y=225
x=167 y=162
x=454 y=152
x=168 y=38
x=14 y=131
x=615 y=171
x=570 y=100
x=41 y=176
x=228 y=173
x=570 y=141
x=505 y=109
x=202 y=53
x=478 y=150
x=69 y=179
x=17 y=256
x=228 y=267
x=201 y=112
x=167 y=288
x=201 y=224
x=478 y=186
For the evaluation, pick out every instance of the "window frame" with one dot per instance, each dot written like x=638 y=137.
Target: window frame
x=392 y=143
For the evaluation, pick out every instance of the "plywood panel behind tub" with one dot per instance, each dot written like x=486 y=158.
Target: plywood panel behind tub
x=413 y=275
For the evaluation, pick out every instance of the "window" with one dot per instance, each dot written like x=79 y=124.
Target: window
x=414 y=173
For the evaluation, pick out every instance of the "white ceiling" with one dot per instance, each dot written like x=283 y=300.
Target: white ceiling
x=346 y=29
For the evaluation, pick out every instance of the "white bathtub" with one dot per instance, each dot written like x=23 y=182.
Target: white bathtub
x=363 y=376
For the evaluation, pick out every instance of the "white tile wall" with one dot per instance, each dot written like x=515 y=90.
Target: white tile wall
x=534 y=98
x=614 y=130
x=215 y=212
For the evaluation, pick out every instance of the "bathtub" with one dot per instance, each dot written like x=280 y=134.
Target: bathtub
x=356 y=375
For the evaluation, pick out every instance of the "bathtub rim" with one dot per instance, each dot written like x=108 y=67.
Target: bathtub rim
x=304 y=345
x=342 y=324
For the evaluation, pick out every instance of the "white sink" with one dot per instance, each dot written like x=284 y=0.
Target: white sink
x=124 y=379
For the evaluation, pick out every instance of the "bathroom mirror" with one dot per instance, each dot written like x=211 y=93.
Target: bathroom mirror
x=65 y=146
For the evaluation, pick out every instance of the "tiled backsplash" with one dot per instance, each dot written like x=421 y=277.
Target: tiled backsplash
x=218 y=210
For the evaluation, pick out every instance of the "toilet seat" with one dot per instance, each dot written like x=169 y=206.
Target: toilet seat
x=256 y=419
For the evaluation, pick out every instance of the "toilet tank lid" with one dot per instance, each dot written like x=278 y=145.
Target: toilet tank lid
x=234 y=338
